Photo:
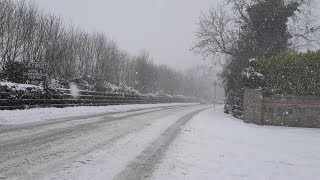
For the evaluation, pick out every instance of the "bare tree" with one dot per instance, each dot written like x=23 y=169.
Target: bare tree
x=217 y=33
x=305 y=27
x=29 y=35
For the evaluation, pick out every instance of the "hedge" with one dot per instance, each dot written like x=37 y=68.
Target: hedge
x=290 y=74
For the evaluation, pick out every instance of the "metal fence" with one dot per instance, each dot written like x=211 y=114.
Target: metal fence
x=63 y=98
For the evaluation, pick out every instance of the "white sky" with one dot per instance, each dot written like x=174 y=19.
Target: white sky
x=165 y=28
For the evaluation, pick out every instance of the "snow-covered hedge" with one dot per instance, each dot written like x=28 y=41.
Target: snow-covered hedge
x=86 y=83
x=15 y=87
x=18 y=91
x=20 y=96
x=60 y=86
x=287 y=73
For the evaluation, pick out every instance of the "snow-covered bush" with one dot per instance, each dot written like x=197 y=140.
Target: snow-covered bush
x=85 y=83
x=57 y=83
x=15 y=87
x=18 y=91
x=114 y=89
x=252 y=76
x=123 y=89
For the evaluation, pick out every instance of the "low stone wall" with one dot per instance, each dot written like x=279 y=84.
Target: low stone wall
x=291 y=111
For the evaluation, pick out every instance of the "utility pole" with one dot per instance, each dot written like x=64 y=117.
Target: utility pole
x=215 y=93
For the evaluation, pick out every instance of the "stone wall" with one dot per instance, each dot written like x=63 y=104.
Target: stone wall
x=281 y=110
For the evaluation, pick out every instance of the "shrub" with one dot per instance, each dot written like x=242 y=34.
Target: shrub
x=291 y=74
x=252 y=76
x=13 y=71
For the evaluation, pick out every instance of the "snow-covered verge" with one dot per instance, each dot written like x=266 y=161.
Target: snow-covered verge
x=56 y=87
x=12 y=117
x=217 y=146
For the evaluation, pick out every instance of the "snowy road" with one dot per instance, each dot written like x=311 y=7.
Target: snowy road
x=104 y=146
x=156 y=143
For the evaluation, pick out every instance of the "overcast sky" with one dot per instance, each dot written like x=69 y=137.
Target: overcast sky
x=165 y=28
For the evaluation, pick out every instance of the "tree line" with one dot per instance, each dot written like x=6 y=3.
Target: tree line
x=30 y=35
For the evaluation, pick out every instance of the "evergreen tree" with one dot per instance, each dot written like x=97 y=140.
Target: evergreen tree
x=264 y=35
x=268 y=23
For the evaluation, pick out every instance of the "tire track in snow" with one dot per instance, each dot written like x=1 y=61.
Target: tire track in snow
x=144 y=164
x=13 y=128
x=42 y=148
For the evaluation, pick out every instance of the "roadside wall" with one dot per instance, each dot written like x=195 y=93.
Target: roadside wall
x=291 y=111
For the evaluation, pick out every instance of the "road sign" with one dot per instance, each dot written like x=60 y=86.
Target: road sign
x=215 y=93
x=215 y=83
x=35 y=74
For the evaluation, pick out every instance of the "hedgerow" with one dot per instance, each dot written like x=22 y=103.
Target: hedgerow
x=288 y=74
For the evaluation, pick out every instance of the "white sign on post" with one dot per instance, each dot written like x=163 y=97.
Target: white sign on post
x=35 y=74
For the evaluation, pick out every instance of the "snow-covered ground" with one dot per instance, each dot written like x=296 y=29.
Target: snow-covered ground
x=217 y=146
x=14 y=117
x=138 y=145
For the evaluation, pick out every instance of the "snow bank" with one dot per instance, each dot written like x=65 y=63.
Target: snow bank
x=11 y=117
x=217 y=146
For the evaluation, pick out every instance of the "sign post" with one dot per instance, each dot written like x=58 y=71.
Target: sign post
x=215 y=93
x=35 y=74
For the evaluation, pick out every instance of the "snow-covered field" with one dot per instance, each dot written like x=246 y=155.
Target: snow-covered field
x=217 y=146
x=14 y=117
